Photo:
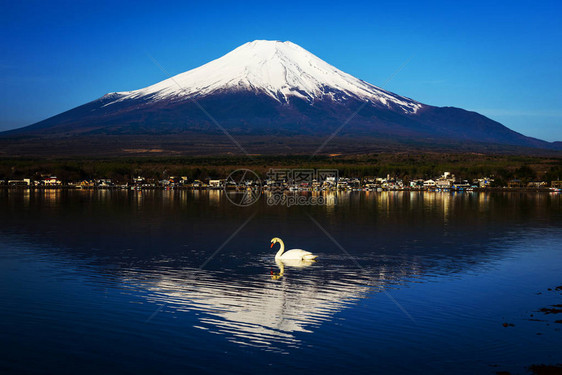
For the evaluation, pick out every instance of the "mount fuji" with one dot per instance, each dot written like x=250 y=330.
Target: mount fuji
x=274 y=96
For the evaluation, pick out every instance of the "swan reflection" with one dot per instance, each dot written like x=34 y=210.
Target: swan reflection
x=296 y=263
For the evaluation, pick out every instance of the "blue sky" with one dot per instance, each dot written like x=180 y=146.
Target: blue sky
x=503 y=60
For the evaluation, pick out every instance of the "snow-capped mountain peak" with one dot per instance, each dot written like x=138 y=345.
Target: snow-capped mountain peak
x=278 y=69
x=265 y=91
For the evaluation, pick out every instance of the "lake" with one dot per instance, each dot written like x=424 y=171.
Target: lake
x=130 y=282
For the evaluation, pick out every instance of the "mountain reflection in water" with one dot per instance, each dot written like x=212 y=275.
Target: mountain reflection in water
x=149 y=247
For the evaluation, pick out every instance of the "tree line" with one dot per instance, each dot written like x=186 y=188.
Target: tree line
x=405 y=166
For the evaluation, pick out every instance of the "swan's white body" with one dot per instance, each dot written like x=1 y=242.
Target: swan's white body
x=294 y=254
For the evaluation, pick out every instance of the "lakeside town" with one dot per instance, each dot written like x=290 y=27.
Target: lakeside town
x=445 y=182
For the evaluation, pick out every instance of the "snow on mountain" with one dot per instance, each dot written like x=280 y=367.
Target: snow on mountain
x=277 y=69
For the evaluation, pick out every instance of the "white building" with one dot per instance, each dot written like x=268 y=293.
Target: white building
x=52 y=181
x=428 y=183
x=216 y=183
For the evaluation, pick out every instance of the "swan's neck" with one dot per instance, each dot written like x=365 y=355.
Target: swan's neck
x=281 y=250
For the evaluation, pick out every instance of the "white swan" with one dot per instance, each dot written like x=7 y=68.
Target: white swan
x=291 y=254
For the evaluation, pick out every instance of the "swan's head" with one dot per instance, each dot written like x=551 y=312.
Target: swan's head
x=275 y=240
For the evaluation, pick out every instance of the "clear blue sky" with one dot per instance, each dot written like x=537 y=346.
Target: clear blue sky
x=502 y=59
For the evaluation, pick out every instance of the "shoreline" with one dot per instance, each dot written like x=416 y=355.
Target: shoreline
x=288 y=190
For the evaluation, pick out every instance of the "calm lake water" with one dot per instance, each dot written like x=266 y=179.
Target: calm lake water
x=184 y=281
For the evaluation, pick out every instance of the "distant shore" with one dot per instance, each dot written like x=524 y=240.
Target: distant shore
x=266 y=190
x=384 y=171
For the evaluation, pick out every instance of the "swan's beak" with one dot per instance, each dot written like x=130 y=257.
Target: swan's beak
x=272 y=244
